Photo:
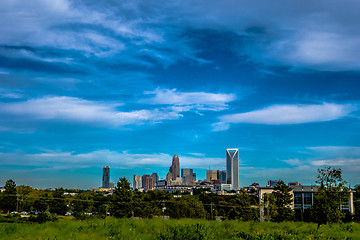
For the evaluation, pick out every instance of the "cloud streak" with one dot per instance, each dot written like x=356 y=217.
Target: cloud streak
x=73 y=109
x=288 y=114
x=345 y=157
x=198 y=100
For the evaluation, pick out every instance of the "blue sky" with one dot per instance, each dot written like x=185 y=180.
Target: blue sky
x=128 y=84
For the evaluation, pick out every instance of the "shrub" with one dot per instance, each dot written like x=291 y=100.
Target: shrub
x=180 y=232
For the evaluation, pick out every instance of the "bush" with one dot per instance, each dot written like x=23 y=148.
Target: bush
x=42 y=218
x=190 y=231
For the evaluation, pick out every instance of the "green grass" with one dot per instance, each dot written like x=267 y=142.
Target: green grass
x=111 y=228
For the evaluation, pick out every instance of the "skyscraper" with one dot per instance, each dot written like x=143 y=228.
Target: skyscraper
x=221 y=175
x=147 y=182
x=188 y=176
x=136 y=182
x=232 y=167
x=211 y=175
x=155 y=179
x=106 y=177
x=168 y=179
x=175 y=167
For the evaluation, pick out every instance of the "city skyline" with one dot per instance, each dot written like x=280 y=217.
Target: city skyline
x=87 y=84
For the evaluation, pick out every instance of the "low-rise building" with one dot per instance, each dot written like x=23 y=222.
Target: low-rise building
x=303 y=197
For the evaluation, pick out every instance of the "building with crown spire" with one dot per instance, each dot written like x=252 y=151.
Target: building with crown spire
x=232 y=167
x=175 y=167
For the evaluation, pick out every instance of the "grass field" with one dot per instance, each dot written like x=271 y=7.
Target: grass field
x=111 y=228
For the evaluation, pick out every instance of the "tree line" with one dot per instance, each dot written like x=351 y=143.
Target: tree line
x=125 y=203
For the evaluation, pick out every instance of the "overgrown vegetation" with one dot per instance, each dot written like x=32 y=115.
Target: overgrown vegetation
x=113 y=228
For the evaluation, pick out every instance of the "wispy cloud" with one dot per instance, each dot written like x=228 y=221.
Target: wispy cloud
x=293 y=162
x=288 y=114
x=345 y=157
x=73 y=109
x=336 y=149
x=10 y=94
x=67 y=31
x=196 y=100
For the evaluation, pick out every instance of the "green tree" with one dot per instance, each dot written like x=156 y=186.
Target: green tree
x=9 y=196
x=331 y=194
x=240 y=207
x=186 y=207
x=122 y=201
x=57 y=204
x=78 y=209
x=268 y=205
x=283 y=201
x=24 y=201
x=357 y=203
x=277 y=205
x=40 y=205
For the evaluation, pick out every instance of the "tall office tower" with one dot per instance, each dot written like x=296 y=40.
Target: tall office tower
x=211 y=175
x=147 y=182
x=188 y=176
x=155 y=179
x=221 y=175
x=232 y=167
x=175 y=167
x=106 y=177
x=168 y=179
x=136 y=182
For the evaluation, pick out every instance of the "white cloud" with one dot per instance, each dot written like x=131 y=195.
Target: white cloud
x=334 y=155
x=293 y=162
x=197 y=154
x=317 y=50
x=4 y=93
x=220 y=126
x=336 y=149
x=345 y=157
x=188 y=100
x=83 y=111
x=289 y=114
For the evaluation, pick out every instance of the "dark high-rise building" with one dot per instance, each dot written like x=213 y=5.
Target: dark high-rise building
x=147 y=182
x=155 y=179
x=106 y=177
x=232 y=167
x=175 y=167
x=221 y=175
x=188 y=176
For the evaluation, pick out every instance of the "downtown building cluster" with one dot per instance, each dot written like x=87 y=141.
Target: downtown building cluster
x=215 y=179
x=224 y=182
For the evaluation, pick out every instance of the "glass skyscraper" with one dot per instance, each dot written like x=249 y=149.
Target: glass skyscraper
x=232 y=167
x=106 y=177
